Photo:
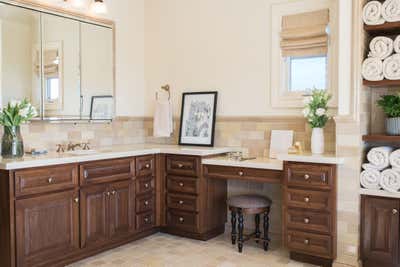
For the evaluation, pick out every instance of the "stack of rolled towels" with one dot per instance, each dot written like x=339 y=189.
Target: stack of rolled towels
x=384 y=57
x=382 y=171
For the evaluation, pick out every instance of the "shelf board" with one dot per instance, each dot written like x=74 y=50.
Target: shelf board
x=387 y=27
x=383 y=83
x=381 y=138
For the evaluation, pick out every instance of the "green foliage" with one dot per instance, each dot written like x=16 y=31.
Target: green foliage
x=17 y=112
x=390 y=105
x=316 y=108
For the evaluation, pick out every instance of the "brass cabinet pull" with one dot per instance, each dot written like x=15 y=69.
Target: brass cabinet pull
x=241 y=173
x=147 y=166
x=146 y=219
x=107 y=193
x=146 y=203
x=395 y=211
x=307 y=177
x=306 y=241
x=76 y=200
x=146 y=185
x=50 y=180
x=113 y=192
x=181 y=202
x=180 y=165
x=306 y=220
x=85 y=174
x=307 y=199
x=181 y=219
x=181 y=184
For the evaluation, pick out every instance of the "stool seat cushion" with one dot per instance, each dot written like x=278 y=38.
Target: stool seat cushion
x=249 y=202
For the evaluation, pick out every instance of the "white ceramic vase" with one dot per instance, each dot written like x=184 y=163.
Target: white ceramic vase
x=317 y=141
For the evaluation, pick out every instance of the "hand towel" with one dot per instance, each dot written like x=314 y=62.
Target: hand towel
x=369 y=166
x=390 y=180
x=372 y=13
x=370 y=179
x=381 y=47
x=391 y=67
x=372 y=69
x=395 y=159
x=396 y=44
x=163 y=124
x=379 y=156
x=391 y=10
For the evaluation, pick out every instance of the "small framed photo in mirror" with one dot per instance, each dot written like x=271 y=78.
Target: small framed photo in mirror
x=198 y=119
x=102 y=108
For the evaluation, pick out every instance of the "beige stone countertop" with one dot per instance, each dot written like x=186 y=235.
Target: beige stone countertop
x=312 y=158
x=258 y=163
x=113 y=152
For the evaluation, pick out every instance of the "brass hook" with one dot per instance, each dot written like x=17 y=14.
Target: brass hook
x=166 y=88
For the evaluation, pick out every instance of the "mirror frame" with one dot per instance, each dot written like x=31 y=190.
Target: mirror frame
x=81 y=17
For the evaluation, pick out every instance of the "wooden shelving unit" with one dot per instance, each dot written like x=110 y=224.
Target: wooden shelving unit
x=381 y=138
x=386 y=28
x=383 y=83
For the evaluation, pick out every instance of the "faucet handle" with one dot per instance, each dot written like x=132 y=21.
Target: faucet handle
x=60 y=148
x=85 y=146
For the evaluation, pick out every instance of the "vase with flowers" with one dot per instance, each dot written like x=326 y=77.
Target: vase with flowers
x=11 y=117
x=316 y=113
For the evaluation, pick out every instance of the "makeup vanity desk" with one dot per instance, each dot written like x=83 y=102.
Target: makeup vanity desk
x=309 y=198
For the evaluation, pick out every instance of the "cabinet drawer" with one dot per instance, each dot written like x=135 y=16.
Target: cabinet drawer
x=309 y=221
x=145 y=166
x=144 y=185
x=145 y=220
x=183 y=165
x=182 y=184
x=183 y=202
x=145 y=203
x=307 y=199
x=312 y=244
x=107 y=171
x=40 y=180
x=224 y=172
x=185 y=221
x=310 y=175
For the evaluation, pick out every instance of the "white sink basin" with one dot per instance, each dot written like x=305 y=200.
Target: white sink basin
x=82 y=152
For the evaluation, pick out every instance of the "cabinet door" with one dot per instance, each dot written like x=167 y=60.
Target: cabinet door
x=47 y=227
x=121 y=209
x=94 y=215
x=380 y=230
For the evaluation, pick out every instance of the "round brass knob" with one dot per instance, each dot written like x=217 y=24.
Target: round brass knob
x=146 y=185
x=306 y=220
x=50 y=180
x=146 y=219
x=181 y=184
x=113 y=192
x=181 y=219
x=147 y=166
x=180 y=166
x=76 y=199
x=307 y=241
x=307 y=199
x=146 y=203
x=181 y=202
x=241 y=173
x=395 y=211
x=108 y=193
x=306 y=177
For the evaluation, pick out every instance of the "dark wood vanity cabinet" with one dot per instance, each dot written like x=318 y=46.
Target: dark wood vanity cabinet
x=380 y=231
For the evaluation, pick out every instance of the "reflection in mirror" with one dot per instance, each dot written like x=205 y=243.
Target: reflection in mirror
x=61 y=59
x=19 y=56
x=97 y=69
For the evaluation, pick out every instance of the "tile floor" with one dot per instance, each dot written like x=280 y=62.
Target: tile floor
x=162 y=250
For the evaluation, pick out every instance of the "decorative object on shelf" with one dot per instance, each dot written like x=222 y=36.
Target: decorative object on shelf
x=391 y=107
x=391 y=10
x=280 y=142
x=198 y=118
x=297 y=149
x=316 y=109
x=11 y=117
x=372 y=13
x=102 y=108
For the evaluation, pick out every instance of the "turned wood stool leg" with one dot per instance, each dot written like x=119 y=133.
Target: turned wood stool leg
x=241 y=226
x=258 y=232
x=233 y=221
x=266 y=230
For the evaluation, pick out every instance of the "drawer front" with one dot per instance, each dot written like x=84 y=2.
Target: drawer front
x=107 y=171
x=145 y=166
x=183 y=165
x=40 y=180
x=183 y=202
x=144 y=185
x=307 y=199
x=145 y=221
x=182 y=185
x=145 y=203
x=309 y=221
x=310 y=175
x=224 y=172
x=312 y=244
x=186 y=221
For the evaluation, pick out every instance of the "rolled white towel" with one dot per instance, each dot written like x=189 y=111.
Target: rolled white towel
x=381 y=47
x=372 y=69
x=395 y=159
x=372 y=167
x=391 y=67
x=396 y=44
x=391 y=10
x=379 y=156
x=370 y=179
x=372 y=13
x=390 y=180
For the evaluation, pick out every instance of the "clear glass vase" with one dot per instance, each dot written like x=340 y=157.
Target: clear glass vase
x=12 y=145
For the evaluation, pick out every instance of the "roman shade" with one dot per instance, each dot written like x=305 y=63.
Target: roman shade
x=305 y=34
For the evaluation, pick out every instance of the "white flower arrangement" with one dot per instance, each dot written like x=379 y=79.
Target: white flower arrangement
x=316 y=108
x=16 y=113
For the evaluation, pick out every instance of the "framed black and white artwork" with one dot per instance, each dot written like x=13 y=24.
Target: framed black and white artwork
x=102 y=108
x=198 y=119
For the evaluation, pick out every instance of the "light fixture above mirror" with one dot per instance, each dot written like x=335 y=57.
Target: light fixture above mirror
x=96 y=6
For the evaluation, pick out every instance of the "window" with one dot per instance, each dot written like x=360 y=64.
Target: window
x=306 y=73
x=52 y=89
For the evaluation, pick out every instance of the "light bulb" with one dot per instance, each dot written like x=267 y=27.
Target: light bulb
x=99 y=7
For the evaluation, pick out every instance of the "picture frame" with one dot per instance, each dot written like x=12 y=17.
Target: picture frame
x=102 y=107
x=198 y=115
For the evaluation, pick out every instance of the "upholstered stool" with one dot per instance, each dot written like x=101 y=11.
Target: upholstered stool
x=249 y=205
